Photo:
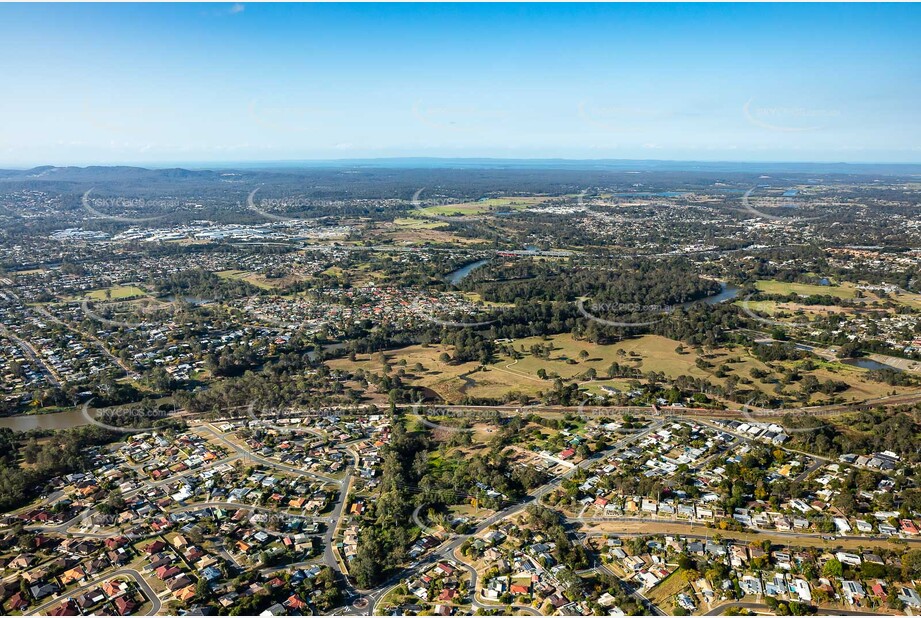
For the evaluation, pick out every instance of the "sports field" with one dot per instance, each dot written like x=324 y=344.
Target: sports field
x=116 y=292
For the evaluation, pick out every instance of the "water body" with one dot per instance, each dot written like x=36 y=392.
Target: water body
x=727 y=292
x=868 y=363
x=863 y=363
x=458 y=275
x=330 y=347
x=56 y=421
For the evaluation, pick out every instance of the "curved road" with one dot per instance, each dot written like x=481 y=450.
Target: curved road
x=143 y=585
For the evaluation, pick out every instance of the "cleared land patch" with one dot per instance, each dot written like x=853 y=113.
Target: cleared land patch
x=484 y=206
x=649 y=353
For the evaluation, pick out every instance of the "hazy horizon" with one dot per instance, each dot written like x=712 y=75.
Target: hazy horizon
x=641 y=165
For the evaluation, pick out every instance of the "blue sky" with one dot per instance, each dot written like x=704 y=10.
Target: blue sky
x=160 y=83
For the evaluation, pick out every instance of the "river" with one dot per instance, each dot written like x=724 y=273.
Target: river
x=458 y=275
x=727 y=292
x=55 y=420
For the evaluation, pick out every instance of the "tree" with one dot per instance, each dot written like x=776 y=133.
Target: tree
x=202 y=589
x=851 y=349
x=911 y=565
x=833 y=568
x=367 y=567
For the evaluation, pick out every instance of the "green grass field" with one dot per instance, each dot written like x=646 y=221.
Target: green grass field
x=909 y=300
x=474 y=208
x=773 y=308
x=506 y=374
x=769 y=307
x=846 y=290
x=117 y=292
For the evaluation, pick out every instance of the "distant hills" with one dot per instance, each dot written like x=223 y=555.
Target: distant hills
x=619 y=165
x=104 y=173
x=217 y=170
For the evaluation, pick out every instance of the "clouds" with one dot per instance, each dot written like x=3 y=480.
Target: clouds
x=223 y=11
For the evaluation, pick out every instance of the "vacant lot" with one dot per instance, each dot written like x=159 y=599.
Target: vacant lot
x=417 y=229
x=417 y=223
x=664 y=592
x=633 y=528
x=260 y=281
